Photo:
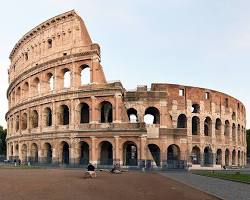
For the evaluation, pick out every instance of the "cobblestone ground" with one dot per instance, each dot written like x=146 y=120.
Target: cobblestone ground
x=225 y=189
x=58 y=184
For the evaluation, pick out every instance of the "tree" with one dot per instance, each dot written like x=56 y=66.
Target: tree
x=3 y=134
x=248 y=142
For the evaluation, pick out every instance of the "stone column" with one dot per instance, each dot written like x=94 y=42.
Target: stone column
x=93 y=155
x=55 y=154
x=142 y=159
x=94 y=117
x=118 y=102
x=117 y=158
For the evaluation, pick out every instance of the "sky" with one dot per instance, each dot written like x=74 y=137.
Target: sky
x=190 y=42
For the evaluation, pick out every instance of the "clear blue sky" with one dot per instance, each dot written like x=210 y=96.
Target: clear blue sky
x=192 y=42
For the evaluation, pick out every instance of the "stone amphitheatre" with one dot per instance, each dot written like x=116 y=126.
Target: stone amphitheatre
x=63 y=111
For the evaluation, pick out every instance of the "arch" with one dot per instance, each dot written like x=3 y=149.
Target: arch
x=132 y=115
x=234 y=132
x=156 y=153
x=196 y=155
x=182 y=121
x=152 y=116
x=130 y=154
x=227 y=128
x=173 y=152
x=195 y=125
x=84 y=153
x=18 y=94
x=227 y=156
x=239 y=158
x=34 y=119
x=24 y=121
x=106 y=112
x=238 y=133
x=65 y=152
x=25 y=90
x=24 y=152
x=234 y=116
x=34 y=153
x=17 y=123
x=48 y=153
x=234 y=157
x=66 y=78
x=64 y=115
x=208 y=156
x=195 y=108
x=36 y=87
x=218 y=127
x=49 y=81
x=219 y=157
x=85 y=74
x=208 y=127
x=106 y=153
x=84 y=113
x=48 y=116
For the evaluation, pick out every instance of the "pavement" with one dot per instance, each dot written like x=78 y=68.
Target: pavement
x=223 y=189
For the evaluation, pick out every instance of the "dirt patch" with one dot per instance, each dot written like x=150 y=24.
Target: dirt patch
x=40 y=184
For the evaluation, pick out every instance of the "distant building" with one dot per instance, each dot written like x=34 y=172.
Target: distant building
x=63 y=111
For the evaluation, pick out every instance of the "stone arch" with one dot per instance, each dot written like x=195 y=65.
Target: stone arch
x=154 y=114
x=65 y=156
x=182 y=121
x=17 y=123
x=195 y=108
x=156 y=153
x=48 y=152
x=196 y=155
x=106 y=153
x=173 y=152
x=130 y=154
x=49 y=82
x=219 y=157
x=36 y=86
x=132 y=115
x=208 y=127
x=234 y=157
x=24 y=121
x=18 y=94
x=48 y=116
x=195 y=125
x=218 y=127
x=66 y=78
x=64 y=115
x=34 y=153
x=239 y=158
x=227 y=157
x=34 y=119
x=227 y=128
x=106 y=113
x=25 y=90
x=84 y=153
x=85 y=74
x=84 y=113
x=234 y=132
x=208 y=156
x=24 y=153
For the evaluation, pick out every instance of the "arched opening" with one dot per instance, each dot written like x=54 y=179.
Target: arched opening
x=227 y=128
x=106 y=153
x=227 y=155
x=234 y=132
x=64 y=115
x=152 y=116
x=65 y=153
x=34 y=119
x=48 y=116
x=173 y=153
x=195 y=108
x=196 y=155
x=17 y=150
x=195 y=125
x=239 y=158
x=238 y=134
x=218 y=127
x=84 y=113
x=156 y=154
x=48 y=153
x=18 y=94
x=25 y=90
x=234 y=157
x=132 y=115
x=219 y=157
x=24 y=153
x=208 y=156
x=36 y=86
x=130 y=154
x=34 y=153
x=17 y=123
x=106 y=112
x=66 y=78
x=84 y=153
x=182 y=121
x=49 y=82
x=208 y=127
x=233 y=116
x=85 y=74
x=24 y=121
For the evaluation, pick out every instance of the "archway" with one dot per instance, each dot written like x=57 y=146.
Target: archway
x=234 y=157
x=48 y=116
x=182 y=121
x=85 y=74
x=195 y=125
x=130 y=154
x=34 y=119
x=106 y=112
x=227 y=155
x=34 y=153
x=64 y=115
x=239 y=158
x=208 y=127
x=156 y=154
x=219 y=157
x=84 y=113
x=208 y=156
x=106 y=153
x=24 y=151
x=65 y=153
x=196 y=154
x=84 y=153
x=132 y=115
x=48 y=153
x=152 y=116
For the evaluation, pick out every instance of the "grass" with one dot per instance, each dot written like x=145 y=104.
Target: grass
x=236 y=176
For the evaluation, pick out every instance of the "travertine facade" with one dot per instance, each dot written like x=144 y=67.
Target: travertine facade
x=55 y=117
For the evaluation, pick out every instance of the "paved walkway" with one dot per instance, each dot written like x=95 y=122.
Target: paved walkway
x=225 y=189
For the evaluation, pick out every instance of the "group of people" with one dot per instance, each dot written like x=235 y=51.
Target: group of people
x=17 y=162
x=90 y=173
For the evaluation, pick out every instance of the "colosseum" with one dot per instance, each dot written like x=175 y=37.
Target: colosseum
x=63 y=111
